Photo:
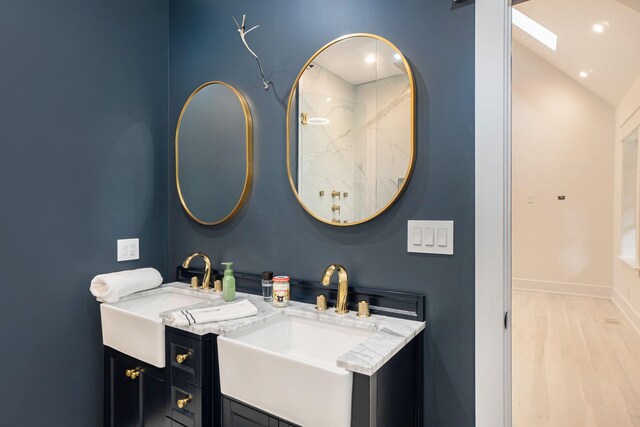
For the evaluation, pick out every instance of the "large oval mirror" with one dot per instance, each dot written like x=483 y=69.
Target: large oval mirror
x=350 y=130
x=214 y=153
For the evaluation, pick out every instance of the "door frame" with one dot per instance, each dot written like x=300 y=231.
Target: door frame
x=493 y=212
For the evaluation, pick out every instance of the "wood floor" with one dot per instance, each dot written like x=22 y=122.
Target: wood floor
x=573 y=363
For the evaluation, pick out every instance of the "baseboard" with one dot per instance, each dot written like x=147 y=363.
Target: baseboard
x=578 y=289
x=632 y=316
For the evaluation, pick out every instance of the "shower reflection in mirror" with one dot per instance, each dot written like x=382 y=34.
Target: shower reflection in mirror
x=354 y=109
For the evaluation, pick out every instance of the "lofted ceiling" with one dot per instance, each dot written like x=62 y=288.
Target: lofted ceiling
x=611 y=59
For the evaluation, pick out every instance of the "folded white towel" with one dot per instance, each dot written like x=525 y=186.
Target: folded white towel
x=113 y=286
x=218 y=313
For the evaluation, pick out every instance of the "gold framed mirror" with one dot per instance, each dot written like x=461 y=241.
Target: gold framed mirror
x=214 y=153
x=351 y=130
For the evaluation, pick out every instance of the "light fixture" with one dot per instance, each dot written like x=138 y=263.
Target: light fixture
x=599 y=27
x=329 y=99
x=396 y=56
x=535 y=30
x=584 y=74
x=317 y=121
x=370 y=59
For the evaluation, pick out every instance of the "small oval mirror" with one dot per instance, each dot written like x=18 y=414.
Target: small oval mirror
x=350 y=130
x=214 y=153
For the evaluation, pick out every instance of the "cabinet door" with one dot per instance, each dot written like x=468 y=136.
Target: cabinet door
x=153 y=405
x=136 y=399
x=122 y=407
x=238 y=415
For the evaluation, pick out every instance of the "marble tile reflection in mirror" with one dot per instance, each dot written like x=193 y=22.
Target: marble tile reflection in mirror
x=350 y=132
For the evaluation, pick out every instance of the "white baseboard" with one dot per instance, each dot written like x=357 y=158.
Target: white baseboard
x=563 y=288
x=625 y=307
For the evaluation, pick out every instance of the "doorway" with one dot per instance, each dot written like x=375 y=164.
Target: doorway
x=575 y=342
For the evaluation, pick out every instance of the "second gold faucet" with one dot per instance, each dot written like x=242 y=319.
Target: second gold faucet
x=343 y=286
x=206 y=280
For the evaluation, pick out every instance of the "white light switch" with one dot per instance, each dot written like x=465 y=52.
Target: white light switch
x=417 y=236
x=430 y=237
x=442 y=237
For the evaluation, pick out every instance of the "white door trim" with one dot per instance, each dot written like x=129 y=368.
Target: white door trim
x=492 y=211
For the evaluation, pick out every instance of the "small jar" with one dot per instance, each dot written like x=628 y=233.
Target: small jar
x=281 y=291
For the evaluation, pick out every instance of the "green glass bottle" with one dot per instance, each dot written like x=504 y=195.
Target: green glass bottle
x=228 y=283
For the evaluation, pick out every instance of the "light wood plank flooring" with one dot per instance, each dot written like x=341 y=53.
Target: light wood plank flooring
x=573 y=363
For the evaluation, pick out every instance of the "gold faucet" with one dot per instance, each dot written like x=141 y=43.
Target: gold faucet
x=206 y=280
x=343 y=286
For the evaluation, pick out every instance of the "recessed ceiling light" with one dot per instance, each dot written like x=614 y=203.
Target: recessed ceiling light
x=584 y=74
x=370 y=59
x=598 y=28
x=396 y=56
x=535 y=30
x=329 y=99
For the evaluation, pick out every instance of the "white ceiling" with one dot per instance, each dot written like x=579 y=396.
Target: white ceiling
x=346 y=59
x=612 y=58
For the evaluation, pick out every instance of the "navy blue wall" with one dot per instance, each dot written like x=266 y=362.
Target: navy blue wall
x=273 y=232
x=83 y=155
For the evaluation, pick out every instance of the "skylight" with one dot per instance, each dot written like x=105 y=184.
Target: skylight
x=534 y=29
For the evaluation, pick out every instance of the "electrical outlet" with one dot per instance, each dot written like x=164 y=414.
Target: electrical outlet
x=128 y=249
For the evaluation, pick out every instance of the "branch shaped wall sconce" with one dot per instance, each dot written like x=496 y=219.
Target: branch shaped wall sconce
x=243 y=34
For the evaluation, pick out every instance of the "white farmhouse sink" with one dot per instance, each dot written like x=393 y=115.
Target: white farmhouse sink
x=287 y=367
x=134 y=327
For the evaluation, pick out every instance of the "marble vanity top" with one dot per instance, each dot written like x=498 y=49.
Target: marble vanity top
x=391 y=334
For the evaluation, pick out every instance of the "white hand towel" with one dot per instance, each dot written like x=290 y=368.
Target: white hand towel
x=113 y=286
x=218 y=313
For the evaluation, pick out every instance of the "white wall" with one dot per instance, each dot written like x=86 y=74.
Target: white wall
x=626 y=281
x=563 y=144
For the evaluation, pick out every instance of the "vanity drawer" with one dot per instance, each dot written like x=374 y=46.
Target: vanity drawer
x=191 y=412
x=185 y=358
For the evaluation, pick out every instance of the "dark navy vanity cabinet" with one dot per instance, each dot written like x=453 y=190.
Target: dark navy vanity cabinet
x=193 y=387
x=134 y=392
x=186 y=392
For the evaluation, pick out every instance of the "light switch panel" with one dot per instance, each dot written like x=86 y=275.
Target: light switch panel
x=435 y=237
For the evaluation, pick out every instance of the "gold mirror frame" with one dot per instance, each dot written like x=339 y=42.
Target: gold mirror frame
x=249 y=151
x=412 y=141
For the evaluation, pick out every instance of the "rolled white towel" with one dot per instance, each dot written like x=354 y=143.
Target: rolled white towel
x=113 y=286
x=218 y=313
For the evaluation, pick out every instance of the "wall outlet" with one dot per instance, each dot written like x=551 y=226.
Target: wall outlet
x=128 y=249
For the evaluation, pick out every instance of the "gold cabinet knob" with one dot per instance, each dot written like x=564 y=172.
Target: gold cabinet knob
x=182 y=357
x=132 y=373
x=183 y=402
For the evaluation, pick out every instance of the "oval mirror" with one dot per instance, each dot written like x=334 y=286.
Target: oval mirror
x=214 y=153
x=350 y=130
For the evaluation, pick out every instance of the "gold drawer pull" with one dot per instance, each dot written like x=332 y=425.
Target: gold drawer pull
x=132 y=373
x=183 y=402
x=182 y=357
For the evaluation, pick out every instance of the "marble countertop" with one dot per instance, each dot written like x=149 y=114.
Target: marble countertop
x=389 y=337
